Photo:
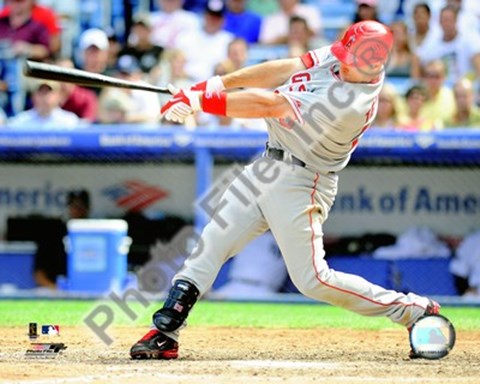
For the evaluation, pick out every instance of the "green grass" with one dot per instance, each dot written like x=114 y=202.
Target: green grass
x=260 y=315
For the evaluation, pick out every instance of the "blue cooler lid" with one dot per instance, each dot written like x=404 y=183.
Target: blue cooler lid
x=97 y=225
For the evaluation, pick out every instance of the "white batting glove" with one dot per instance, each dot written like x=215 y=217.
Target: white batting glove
x=182 y=104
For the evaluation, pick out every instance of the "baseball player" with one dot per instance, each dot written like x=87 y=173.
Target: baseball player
x=317 y=107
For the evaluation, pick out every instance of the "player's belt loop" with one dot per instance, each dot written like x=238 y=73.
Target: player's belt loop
x=281 y=155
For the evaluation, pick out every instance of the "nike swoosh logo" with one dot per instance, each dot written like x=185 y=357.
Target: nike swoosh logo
x=176 y=99
x=161 y=344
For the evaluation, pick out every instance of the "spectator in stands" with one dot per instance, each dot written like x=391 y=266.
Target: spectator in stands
x=78 y=204
x=274 y=29
x=144 y=105
x=412 y=120
x=94 y=49
x=466 y=114
x=171 y=70
x=421 y=25
x=468 y=14
x=387 y=115
x=440 y=103
x=46 y=112
x=139 y=43
x=51 y=258
x=114 y=108
x=41 y=14
x=28 y=37
x=81 y=101
x=171 y=22
x=237 y=56
x=114 y=48
x=66 y=15
x=400 y=63
x=208 y=46
x=459 y=50
x=241 y=22
x=300 y=36
x=366 y=10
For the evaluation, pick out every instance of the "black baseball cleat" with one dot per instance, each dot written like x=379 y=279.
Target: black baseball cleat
x=154 y=345
x=432 y=309
x=181 y=298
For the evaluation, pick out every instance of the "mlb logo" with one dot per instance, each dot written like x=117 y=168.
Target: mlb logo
x=50 y=330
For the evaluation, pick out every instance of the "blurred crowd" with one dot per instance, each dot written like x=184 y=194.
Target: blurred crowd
x=432 y=76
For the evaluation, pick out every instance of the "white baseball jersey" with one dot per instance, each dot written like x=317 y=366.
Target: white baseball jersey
x=331 y=115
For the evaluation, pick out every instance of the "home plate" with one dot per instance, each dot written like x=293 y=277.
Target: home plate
x=286 y=364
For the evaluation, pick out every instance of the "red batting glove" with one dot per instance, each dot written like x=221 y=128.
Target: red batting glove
x=182 y=104
x=214 y=84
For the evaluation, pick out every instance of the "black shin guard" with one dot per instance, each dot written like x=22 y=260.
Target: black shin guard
x=180 y=300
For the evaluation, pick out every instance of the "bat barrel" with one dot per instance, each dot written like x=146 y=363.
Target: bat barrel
x=76 y=76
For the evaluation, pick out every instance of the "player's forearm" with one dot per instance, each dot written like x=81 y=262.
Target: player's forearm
x=250 y=103
x=266 y=75
x=257 y=104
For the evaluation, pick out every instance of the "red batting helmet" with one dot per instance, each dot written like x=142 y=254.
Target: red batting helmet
x=366 y=43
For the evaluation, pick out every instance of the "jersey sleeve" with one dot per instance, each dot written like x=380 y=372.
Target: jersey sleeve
x=295 y=103
x=315 y=57
x=303 y=105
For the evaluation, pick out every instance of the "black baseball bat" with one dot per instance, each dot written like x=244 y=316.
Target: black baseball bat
x=77 y=76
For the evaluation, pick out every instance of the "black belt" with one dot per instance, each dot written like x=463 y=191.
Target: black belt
x=281 y=155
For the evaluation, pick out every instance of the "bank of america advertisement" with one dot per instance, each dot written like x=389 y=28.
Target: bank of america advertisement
x=370 y=199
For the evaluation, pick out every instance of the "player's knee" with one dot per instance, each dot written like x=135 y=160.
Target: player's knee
x=314 y=285
x=315 y=290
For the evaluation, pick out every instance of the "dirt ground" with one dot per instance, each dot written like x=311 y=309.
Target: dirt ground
x=239 y=355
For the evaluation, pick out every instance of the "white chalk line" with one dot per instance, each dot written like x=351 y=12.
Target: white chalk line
x=203 y=378
x=143 y=371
